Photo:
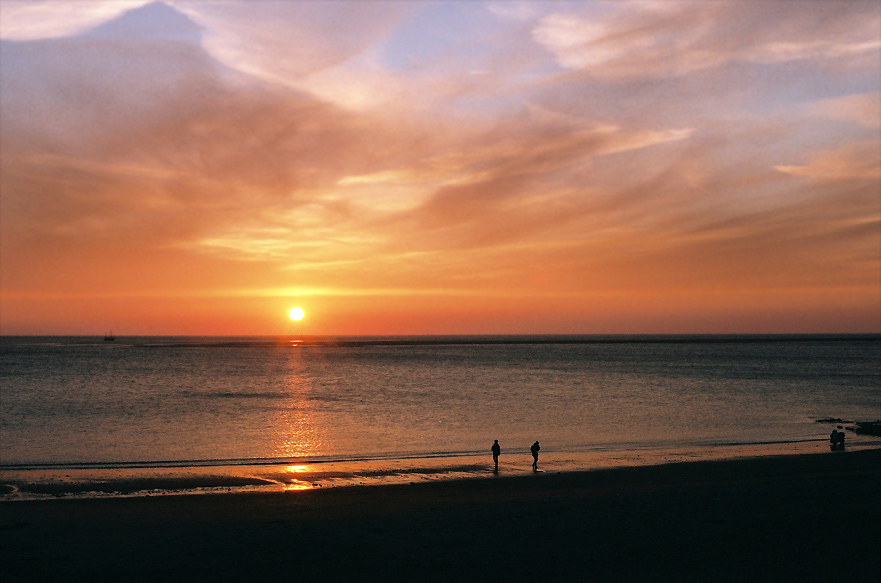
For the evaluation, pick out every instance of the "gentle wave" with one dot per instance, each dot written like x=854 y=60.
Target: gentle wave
x=232 y=462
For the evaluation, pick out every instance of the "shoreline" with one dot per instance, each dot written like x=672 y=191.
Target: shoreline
x=98 y=482
x=73 y=483
x=811 y=517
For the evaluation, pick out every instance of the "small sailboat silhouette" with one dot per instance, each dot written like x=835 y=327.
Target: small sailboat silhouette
x=109 y=337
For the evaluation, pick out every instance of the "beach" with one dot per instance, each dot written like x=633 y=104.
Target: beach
x=809 y=517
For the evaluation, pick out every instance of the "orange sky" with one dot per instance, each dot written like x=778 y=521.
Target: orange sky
x=197 y=167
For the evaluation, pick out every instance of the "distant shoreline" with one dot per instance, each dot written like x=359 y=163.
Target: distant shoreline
x=452 y=340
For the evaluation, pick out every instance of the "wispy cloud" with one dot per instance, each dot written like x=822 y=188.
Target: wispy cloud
x=23 y=20
x=859 y=160
x=669 y=38
x=861 y=108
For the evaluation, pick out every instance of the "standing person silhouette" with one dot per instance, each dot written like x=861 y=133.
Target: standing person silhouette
x=496 y=451
x=534 y=449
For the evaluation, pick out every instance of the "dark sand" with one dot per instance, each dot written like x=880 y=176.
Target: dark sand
x=798 y=518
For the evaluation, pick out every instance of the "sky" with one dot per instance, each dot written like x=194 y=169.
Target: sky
x=599 y=167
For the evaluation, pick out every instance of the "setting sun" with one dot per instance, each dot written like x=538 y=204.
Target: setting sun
x=296 y=314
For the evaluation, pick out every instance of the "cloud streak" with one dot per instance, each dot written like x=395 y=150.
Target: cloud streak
x=668 y=38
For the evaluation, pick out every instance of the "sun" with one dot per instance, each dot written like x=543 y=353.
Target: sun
x=296 y=314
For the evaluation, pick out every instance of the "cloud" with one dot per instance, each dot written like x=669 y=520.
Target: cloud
x=161 y=142
x=669 y=39
x=863 y=109
x=858 y=161
x=22 y=20
x=514 y=10
x=284 y=42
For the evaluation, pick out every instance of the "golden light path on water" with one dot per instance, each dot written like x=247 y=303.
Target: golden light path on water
x=297 y=430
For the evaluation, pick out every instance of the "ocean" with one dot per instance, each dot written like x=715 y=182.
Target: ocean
x=184 y=413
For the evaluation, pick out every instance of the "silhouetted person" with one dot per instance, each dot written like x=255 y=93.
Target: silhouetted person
x=534 y=449
x=496 y=451
x=836 y=438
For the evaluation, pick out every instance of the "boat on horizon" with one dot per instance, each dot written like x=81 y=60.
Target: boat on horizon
x=109 y=337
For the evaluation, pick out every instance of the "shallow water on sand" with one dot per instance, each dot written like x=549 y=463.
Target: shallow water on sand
x=37 y=484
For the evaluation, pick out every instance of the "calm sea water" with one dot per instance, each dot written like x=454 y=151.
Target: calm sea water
x=209 y=400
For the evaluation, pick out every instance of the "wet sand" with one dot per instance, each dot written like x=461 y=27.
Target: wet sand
x=811 y=517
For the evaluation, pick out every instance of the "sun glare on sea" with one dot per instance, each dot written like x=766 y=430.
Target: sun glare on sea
x=296 y=314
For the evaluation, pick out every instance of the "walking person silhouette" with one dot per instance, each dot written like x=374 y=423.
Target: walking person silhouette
x=496 y=451
x=534 y=449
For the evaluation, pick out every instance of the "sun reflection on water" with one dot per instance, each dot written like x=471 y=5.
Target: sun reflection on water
x=296 y=429
x=297 y=485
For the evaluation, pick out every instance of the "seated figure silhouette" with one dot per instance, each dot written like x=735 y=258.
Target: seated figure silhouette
x=836 y=438
x=534 y=449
